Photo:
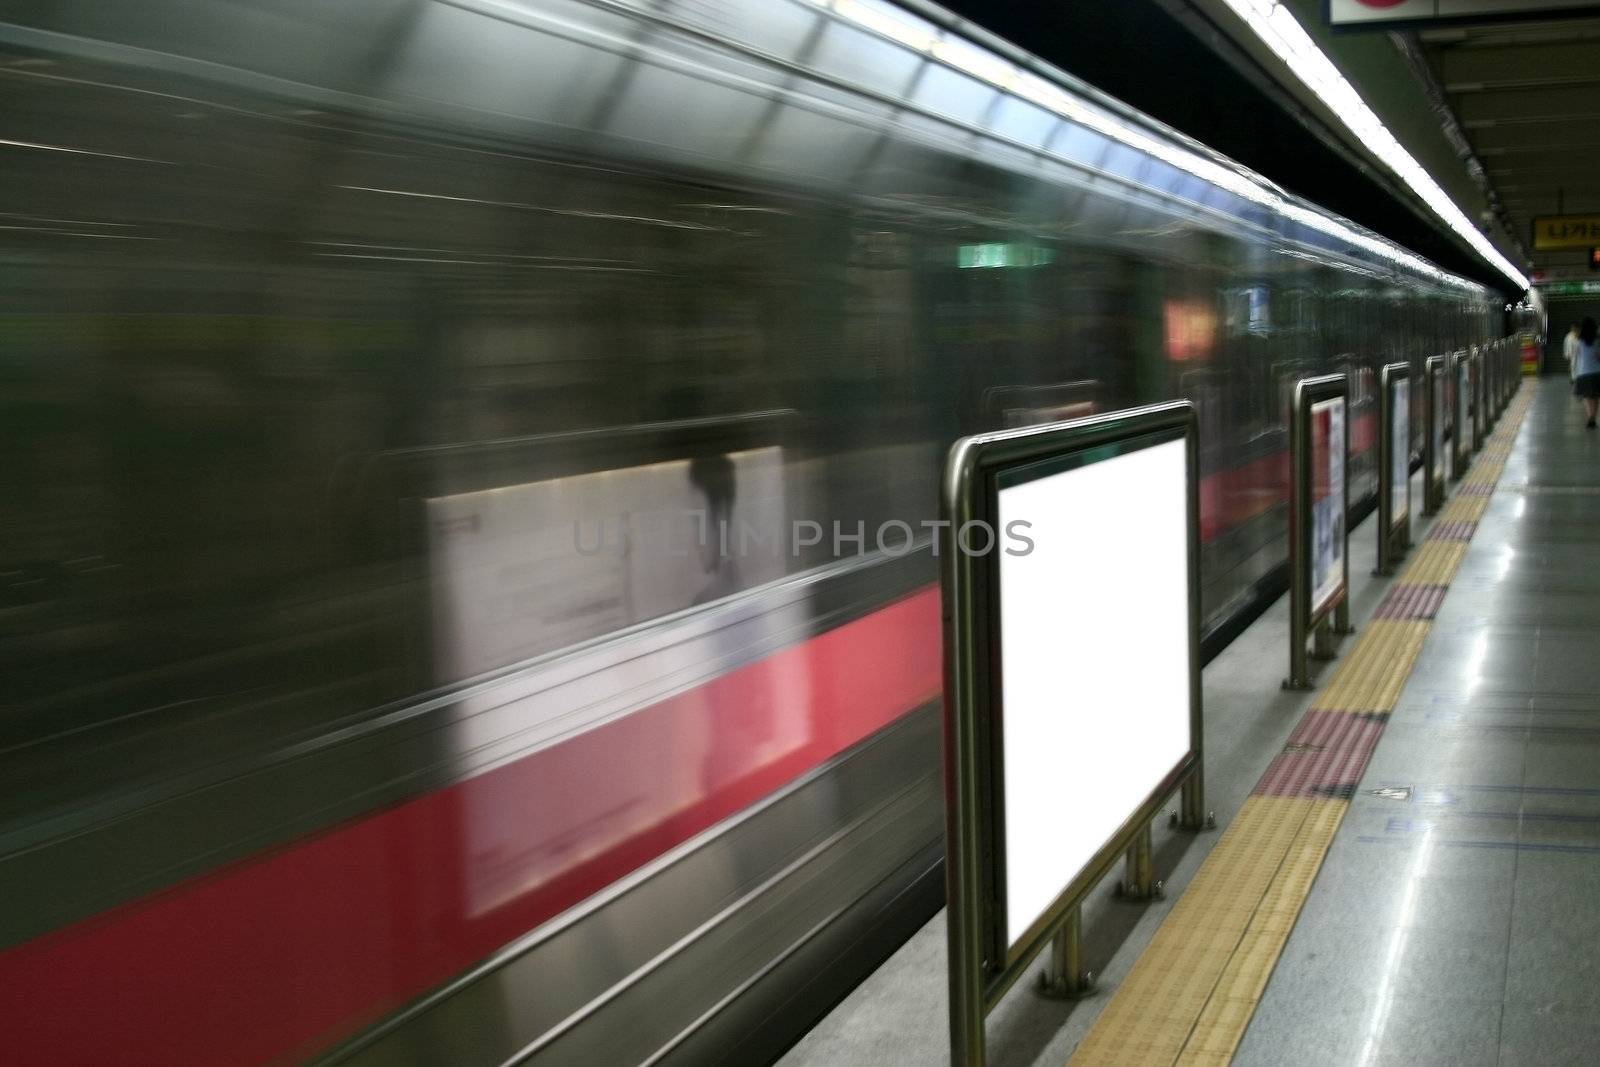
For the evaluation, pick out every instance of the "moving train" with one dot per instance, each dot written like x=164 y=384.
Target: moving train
x=382 y=382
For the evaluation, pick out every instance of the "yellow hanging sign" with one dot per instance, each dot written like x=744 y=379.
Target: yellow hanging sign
x=1565 y=231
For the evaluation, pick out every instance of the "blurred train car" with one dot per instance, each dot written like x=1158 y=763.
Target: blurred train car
x=374 y=374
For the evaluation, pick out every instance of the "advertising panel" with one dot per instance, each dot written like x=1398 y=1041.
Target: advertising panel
x=1400 y=454
x=1530 y=353
x=1463 y=427
x=1327 y=502
x=1095 y=646
x=523 y=569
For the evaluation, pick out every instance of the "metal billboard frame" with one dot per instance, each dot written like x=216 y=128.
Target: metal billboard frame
x=1306 y=619
x=983 y=964
x=1434 y=444
x=1480 y=422
x=1460 y=423
x=1393 y=538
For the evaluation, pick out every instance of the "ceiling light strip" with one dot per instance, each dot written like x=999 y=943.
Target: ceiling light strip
x=1278 y=29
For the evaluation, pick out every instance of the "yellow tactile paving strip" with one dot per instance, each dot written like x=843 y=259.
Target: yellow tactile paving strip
x=1435 y=562
x=1191 y=994
x=1371 y=675
x=1466 y=508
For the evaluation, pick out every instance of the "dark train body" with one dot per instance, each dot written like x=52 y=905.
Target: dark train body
x=371 y=371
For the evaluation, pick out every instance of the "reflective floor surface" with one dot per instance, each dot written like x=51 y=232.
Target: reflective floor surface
x=1456 y=919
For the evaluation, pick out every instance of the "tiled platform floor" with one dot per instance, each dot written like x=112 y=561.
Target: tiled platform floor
x=1456 y=919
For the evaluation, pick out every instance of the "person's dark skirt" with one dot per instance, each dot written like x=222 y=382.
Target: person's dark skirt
x=1587 y=386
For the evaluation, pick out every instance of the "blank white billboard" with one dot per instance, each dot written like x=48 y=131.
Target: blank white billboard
x=1094 y=660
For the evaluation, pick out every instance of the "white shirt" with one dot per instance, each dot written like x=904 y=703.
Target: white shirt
x=1588 y=360
x=1569 y=349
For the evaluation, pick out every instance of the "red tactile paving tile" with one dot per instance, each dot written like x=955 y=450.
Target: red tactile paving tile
x=1460 y=530
x=1408 y=601
x=1325 y=755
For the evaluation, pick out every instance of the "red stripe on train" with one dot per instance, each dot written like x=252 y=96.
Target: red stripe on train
x=1231 y=498
x=279 y=955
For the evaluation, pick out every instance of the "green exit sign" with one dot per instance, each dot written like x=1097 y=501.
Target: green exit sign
x=1570 y=288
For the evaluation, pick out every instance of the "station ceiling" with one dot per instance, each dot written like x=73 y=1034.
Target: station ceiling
x=1527 y=95
x=1173 y=61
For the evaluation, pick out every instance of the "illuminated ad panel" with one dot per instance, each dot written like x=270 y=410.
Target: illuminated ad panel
x=1327 y=502
x=1400 y=454
x=1095 y=655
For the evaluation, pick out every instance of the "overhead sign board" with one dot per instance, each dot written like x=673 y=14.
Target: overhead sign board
x=1565 y=231
x=1383 y=14
x=1570 y=288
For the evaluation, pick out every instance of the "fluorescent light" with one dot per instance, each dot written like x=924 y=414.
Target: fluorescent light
x=1276 y=27
x=910 y=31
x=975 y=61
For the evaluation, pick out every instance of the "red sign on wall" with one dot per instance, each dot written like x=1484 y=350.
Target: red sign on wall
x=1380 y=14
x=1361 y=12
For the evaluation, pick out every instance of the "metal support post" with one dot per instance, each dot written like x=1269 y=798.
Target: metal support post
x=1299 y=598
x=1063 y=977
x=1323 y=646
x=1139 y=878
x=1341 y=614
x=1435 y=468
x=1192 y=813
x=1341 y=611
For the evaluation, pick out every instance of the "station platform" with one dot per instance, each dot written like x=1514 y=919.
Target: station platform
x=1407 y=855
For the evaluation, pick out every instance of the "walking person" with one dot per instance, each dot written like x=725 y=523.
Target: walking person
x=1569 y=349
x=1587 y=383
